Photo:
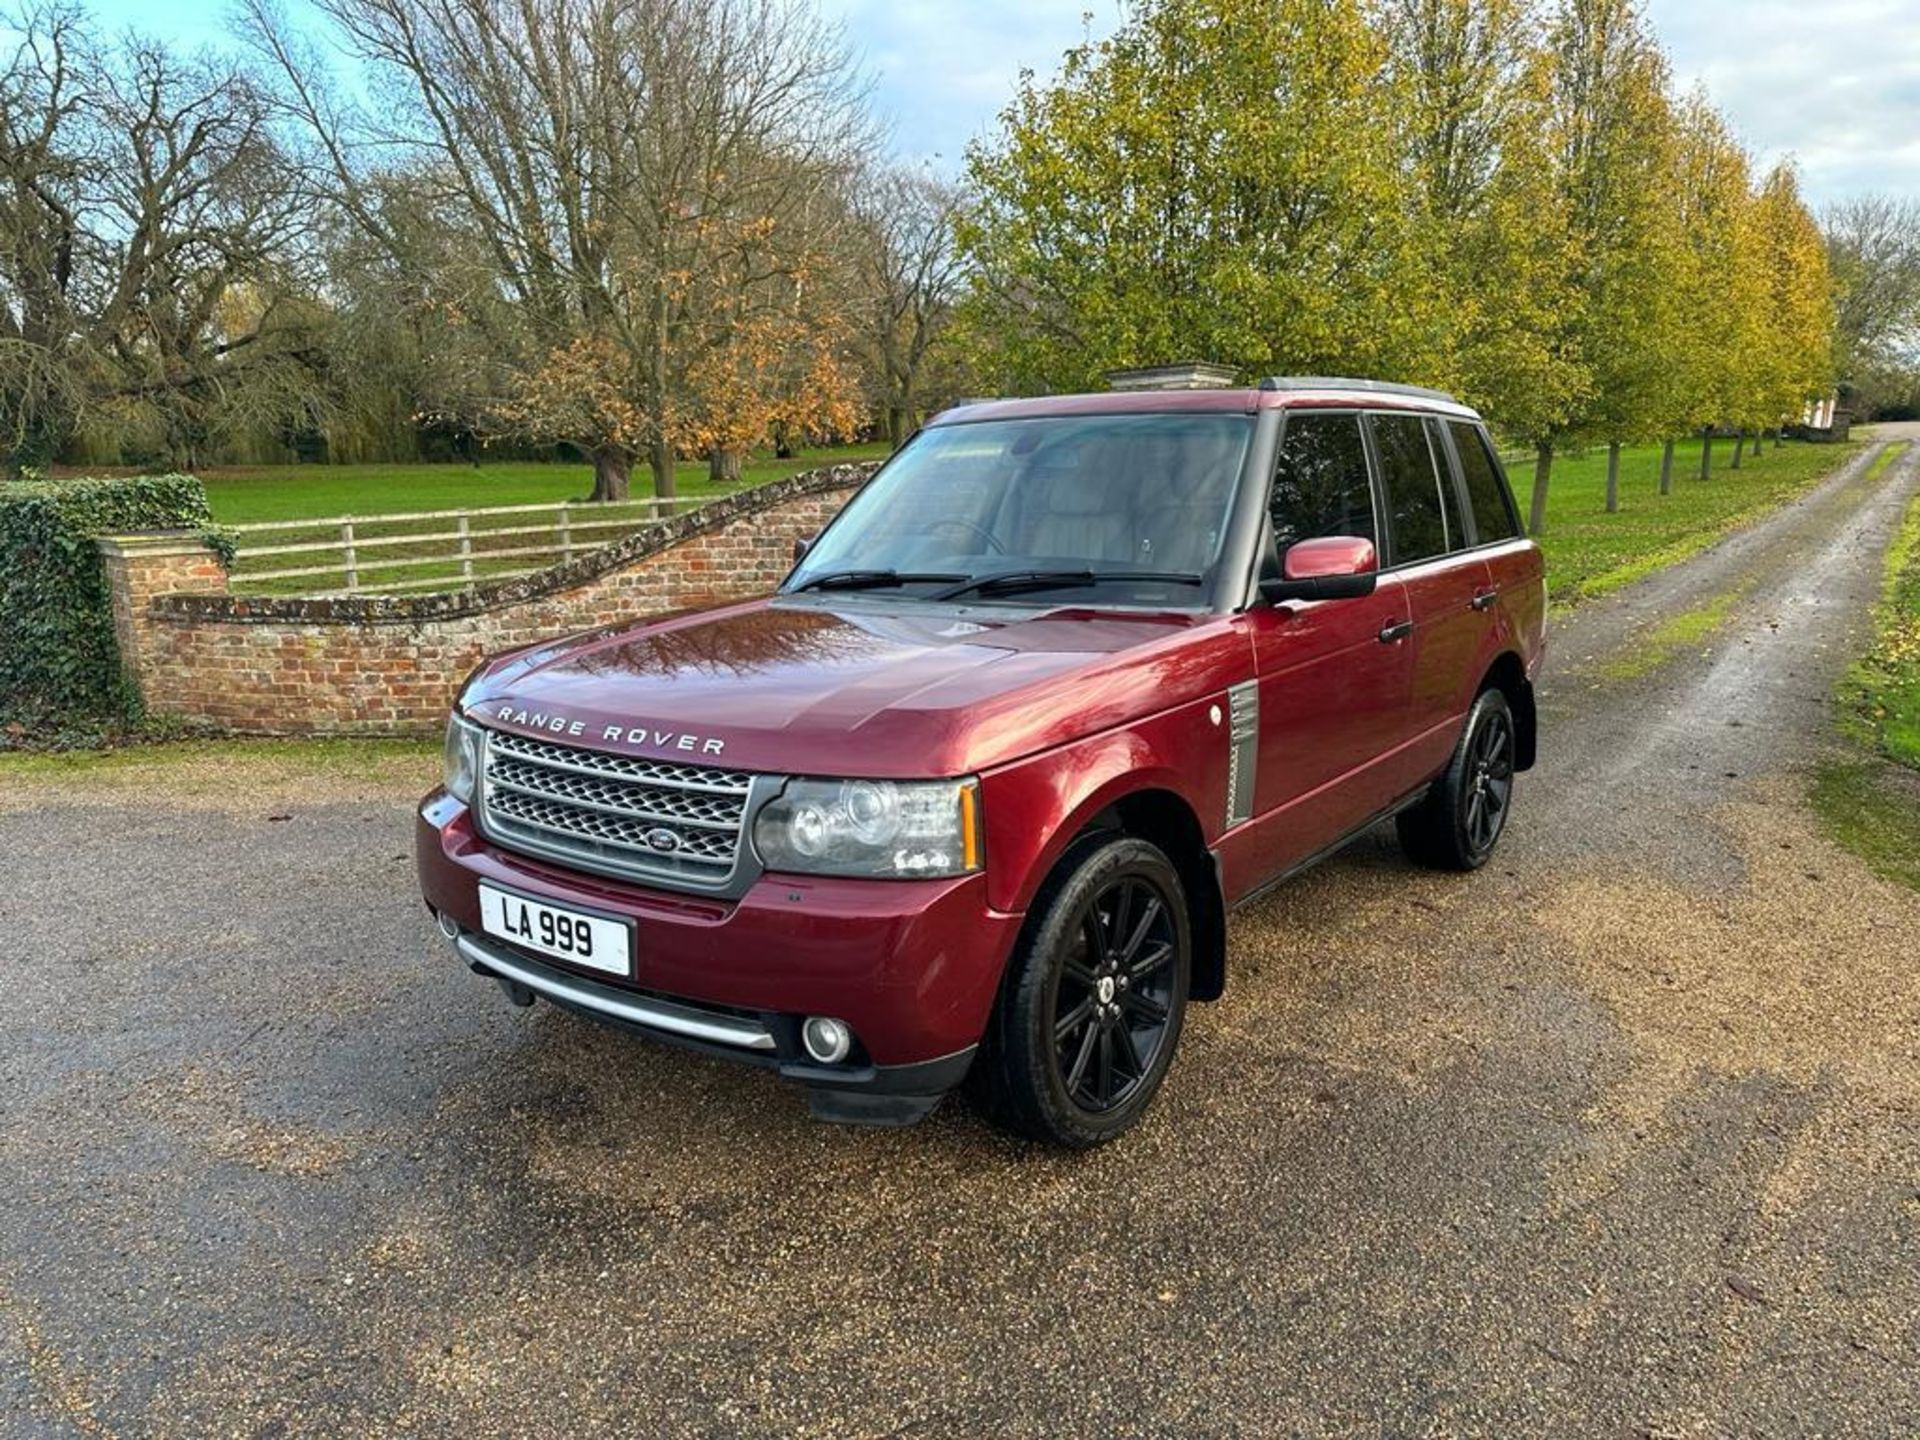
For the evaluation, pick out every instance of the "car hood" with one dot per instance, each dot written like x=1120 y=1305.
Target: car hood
x=886 y=689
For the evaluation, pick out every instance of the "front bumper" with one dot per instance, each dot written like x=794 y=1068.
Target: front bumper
x=912 y=966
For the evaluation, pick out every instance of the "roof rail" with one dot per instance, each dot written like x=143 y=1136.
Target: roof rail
x=1337 y=382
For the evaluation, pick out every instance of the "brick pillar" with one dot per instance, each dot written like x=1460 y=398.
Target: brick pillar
x=141 y=566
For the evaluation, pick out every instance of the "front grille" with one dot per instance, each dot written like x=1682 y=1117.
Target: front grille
x=616 y=814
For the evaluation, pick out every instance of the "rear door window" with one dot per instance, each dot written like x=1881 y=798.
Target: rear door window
x=1320 y=486
x=1419 y=526
x=1493 y=516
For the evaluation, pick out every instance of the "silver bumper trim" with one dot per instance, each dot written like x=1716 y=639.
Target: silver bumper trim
x=635 y=1009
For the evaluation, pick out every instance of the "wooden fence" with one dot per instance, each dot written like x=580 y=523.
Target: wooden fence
x=431 y=549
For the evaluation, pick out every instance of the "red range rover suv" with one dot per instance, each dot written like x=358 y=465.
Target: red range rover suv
x=973 y=795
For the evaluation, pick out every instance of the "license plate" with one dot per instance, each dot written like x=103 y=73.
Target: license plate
x=571 y=935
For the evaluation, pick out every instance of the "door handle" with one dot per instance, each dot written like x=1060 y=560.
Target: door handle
x=1483 y=599
x=1397 y=630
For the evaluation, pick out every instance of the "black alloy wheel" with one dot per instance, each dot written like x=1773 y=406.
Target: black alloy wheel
x=1113 y=994
x=1490 y=780
x=1089 y=1014
x=1460 y=819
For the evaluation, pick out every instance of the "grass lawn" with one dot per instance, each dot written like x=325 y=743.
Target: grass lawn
x=1590 y=552
x=281 y=493
x=296 y=492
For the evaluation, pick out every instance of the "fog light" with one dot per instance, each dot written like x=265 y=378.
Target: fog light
x=827 y=1041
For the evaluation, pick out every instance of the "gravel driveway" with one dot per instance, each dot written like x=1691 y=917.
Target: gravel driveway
x=1619 y=1137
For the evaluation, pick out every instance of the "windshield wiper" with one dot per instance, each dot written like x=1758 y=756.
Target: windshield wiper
x=1010 y=580
x=868 y=580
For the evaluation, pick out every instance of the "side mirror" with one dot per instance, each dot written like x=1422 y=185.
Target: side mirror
x=802 y=544
x=1334 y=567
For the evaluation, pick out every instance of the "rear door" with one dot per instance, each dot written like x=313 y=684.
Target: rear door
x=1516 y=597
x=1429 y=547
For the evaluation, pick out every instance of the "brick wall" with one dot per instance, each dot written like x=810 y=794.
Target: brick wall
x=141 y=567
x=383 y=665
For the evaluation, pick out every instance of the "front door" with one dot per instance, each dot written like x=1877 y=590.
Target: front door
x=1331 y=676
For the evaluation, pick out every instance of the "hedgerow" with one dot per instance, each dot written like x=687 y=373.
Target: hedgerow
x=59 y=662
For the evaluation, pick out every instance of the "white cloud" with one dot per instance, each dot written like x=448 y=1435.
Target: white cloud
x=944 y=69
x=1836 y=85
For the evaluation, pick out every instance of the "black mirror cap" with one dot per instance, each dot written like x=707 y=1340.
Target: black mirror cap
x=802 y=544
x=1321 y=587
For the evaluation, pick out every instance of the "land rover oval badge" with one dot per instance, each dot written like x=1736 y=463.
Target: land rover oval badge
x=662 y=839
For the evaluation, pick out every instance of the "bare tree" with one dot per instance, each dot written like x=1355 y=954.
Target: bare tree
x=147 y=246
x=45 y=167
x=912 y=274
x=621 y=163
x=1873 y=249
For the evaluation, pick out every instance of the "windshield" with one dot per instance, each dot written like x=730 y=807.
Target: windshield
x=1116 y=509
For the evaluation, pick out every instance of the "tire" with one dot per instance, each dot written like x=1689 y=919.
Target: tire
x=1095 y=995
x=1461 y=818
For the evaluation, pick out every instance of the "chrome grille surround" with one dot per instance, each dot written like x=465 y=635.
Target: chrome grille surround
x=600 y=812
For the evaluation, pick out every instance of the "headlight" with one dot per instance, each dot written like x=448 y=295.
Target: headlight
x=462 y=759
x=896 y=829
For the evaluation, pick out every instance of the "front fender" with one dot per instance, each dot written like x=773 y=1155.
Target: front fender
x=1035 y=807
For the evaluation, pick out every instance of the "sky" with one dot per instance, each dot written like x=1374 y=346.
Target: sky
x=1834 y=84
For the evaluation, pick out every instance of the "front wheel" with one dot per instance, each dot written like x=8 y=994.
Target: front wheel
x=1095 y=995
x=1462 y=817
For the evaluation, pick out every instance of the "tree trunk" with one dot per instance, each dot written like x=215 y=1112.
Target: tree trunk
x=896 y=427
x=1542 y=468
x=660 y=461
x=1759 y=443
x=1706 y=453
x=612 y=471
x=1739 y=447
x=1779 y=436
x=1613 y=478
x=1666 y=468
x=723 y=467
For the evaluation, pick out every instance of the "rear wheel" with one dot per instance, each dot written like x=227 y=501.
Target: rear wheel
x=1095 y=995
x=1462 y=817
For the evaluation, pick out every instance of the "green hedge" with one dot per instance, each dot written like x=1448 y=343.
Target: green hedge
x=59 y=662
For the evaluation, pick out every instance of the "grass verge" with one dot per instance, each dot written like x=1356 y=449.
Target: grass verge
x=238 y=765
x=1870 y=803
x=1591 y=553
x=1880 y=696
x=1873 y=809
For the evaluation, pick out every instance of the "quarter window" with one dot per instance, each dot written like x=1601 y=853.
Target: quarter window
x=1417 y=519
x=1493 y=517
x=1320 y=486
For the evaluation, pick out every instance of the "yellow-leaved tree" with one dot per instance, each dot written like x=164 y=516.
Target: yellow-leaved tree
x=1796 y=353
x=1475 y=105
x=1610 y=137
x=1215 y=181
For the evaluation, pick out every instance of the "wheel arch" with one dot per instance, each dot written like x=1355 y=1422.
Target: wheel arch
x=1166 y=820
x=1509 y=676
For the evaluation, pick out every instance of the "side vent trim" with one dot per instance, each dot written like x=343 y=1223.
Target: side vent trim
x=1243 y=748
